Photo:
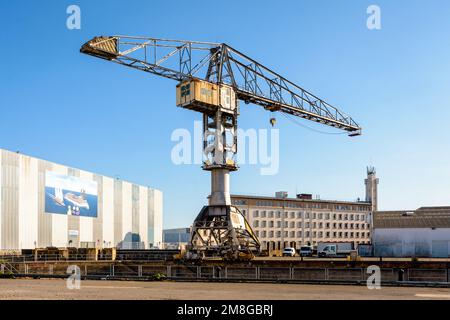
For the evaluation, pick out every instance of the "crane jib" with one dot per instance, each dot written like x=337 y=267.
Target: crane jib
x=219 y=64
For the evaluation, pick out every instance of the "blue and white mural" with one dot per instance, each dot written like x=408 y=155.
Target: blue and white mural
x=70 y=195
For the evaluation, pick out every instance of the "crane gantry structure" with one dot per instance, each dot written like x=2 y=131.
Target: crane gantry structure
x=212 y=79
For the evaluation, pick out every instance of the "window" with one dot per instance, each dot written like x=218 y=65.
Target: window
x=351 y=217
x=285 y=214
x=286 y=224
x=307 y=234
x=270 y=214
x=292 y=225
x=270 y=234
x=334 y=216
x=320 y=234
x=320 y=225
x=334 y=234
x=263 y=214
x=270 y=224
x=286 y=234
x=299 y=234
x=314 y=234
x=307 y=224
x=327 y=225
x=327 y=216
x=340 y=217
x=278 y=214
x=299 y=215
x=307 y=215
x=292 y=215
x=256 y=223
x=257 y=233
x=299 y=224
x=278 y=224
x=314 y=225
x=314 y=215
x=278 y=234
x=263 y=224
x=263 y=234
x=292 y=234
x=320 y=216
x=327 y=234
x=255 y=214
x=345 y=216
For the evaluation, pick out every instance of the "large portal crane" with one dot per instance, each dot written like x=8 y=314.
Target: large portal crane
x=212 y=78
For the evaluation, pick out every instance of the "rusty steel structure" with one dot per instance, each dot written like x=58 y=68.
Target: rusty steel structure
x=212 y=79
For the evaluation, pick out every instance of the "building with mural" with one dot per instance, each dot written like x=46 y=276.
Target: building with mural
x=44 y=204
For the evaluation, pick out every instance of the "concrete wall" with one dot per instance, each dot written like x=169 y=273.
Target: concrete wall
x=126 y=213
x=423 y=242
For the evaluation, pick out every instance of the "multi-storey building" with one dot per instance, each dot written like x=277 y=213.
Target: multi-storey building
x=281 y=222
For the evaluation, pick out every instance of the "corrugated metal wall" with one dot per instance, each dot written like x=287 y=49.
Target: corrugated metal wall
x=128 y=215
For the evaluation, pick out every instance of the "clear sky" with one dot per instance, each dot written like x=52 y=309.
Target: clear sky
x=62 y=106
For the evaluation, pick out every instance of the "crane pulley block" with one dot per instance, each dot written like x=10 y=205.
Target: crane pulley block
x=273 y=107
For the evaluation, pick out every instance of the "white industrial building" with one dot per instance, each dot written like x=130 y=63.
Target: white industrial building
x=281 y=222
x=424 y=232
x=44 y=204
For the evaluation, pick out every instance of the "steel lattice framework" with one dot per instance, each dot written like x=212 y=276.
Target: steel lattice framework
x=219 y=227
x=219 y=63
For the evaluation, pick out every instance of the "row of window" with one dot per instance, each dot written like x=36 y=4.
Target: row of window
x=301 y=204
x=308 y=215
x=313 y=234
x=307 y=224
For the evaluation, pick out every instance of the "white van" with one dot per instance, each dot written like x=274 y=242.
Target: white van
x=289 y=252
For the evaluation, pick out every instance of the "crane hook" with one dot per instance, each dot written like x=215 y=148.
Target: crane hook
x=273 y=121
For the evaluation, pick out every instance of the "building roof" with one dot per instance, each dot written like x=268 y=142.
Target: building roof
x=424 y=217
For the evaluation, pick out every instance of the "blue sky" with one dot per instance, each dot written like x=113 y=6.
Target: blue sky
x=69 y=108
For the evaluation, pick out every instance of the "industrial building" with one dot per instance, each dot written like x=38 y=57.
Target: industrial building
x=281 y=222
x=44 y=204
x=176 y=238
x=424 y=232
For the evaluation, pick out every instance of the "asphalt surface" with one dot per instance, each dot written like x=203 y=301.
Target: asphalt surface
x=30 y=289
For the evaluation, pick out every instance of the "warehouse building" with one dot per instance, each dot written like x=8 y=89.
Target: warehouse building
x=44 y=204
x=424 y=232
x=281 y=222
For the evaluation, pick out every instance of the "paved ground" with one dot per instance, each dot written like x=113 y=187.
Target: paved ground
x=136 y=290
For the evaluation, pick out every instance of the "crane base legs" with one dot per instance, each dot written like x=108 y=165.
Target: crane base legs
x=222 y=231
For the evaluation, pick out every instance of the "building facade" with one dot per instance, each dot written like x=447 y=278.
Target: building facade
x=281 y=222
x=44 y=204
x=176 y=238
x=424 y=232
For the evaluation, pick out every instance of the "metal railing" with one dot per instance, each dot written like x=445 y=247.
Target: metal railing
x=412 y=276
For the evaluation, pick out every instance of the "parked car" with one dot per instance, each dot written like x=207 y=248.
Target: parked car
x=289 y=252
x=306 y=251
